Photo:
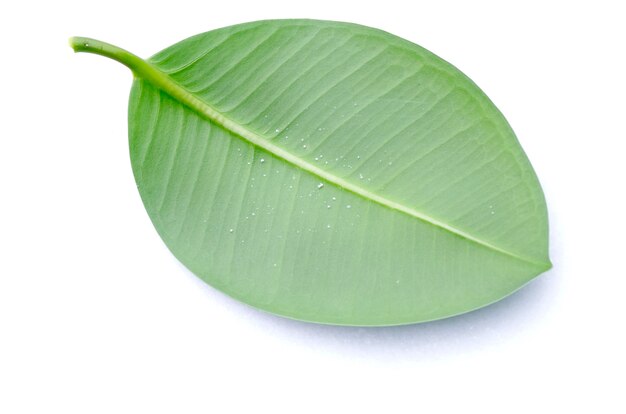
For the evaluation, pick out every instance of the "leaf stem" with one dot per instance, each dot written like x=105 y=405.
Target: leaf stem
x=133 y=62
x=140 y=68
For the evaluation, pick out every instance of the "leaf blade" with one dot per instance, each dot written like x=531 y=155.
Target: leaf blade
x=334 y=173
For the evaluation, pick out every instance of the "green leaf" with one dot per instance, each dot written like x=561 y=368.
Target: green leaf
x=332 y=172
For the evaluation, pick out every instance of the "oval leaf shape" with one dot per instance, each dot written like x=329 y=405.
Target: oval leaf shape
x=332 y=172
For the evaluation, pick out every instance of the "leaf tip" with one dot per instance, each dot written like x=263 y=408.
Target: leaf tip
x=549 y=265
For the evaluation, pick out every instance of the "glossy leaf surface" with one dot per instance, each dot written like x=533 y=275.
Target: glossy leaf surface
x=332 y=172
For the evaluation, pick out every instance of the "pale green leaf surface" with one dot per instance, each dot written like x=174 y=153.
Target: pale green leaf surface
x=335 y=173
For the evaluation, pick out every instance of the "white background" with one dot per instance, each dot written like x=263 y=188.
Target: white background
x=96 y=316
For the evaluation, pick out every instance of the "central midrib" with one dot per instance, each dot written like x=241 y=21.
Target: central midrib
x=206 y=110
x=147 y=71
